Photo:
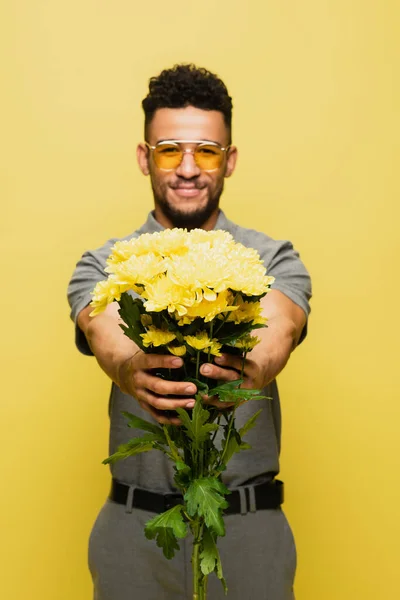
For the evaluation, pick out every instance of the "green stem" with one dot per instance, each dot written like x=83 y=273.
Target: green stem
x=228 y=435
x=216 y=431
x=199 y=580
x=197 y=364
x=226 y=315
x=201 y=473
x=243 y=361
x=231 y=419
x=211 y=335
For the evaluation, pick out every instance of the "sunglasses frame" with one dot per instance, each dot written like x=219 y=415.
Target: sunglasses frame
x=189 y=150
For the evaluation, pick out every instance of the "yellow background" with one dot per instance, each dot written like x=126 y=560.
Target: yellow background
x=316 y=100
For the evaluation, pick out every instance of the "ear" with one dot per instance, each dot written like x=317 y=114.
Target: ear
x=142 y=155
x=231 y=161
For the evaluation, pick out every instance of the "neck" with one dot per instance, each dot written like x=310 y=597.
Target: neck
x=166 y=222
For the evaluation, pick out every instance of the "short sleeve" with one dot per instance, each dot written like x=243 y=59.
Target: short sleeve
x=88 y=272
x=283 y=262
x=291 y=276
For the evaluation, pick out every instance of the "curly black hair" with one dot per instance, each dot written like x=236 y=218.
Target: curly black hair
x=187 y=85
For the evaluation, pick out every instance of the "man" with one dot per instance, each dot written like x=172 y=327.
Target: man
x=187 y=120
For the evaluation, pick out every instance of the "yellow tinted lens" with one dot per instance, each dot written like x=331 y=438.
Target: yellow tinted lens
x=167 y=156
x=208 y=157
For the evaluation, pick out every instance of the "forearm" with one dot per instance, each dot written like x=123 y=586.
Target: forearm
x=109 y=344
x=278 y=340
x=132 y=369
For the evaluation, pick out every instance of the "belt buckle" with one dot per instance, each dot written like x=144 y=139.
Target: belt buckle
x=172 y=499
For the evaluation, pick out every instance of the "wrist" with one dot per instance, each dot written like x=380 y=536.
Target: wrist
x=111 y=347
x=278 y=341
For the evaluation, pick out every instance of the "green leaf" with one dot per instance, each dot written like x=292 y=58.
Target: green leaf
x=250 y=423
x=134 y=446
x=205 y=497
x=211 y=455
x=130 y=312
x=166 y=528
x=174 y=450
x=166 y=540
x=181 y=466
x=245 y=446
x=230 y=392
x=171 y=518
x=138 y=423
x=237 y=437
x=235 y=443
x=197 y=428
x=226 y=386
x=231 y=332
x=230 y=449
x=210 y=559
x=183 y=475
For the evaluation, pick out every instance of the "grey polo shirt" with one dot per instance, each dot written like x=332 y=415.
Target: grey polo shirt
x=152 y=470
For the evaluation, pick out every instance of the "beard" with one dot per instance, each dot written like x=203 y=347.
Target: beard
x=189 y=219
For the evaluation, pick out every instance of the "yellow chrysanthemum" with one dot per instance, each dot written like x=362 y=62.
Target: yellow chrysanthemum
x=165 y=294
x=247 y=343
x=250 y=280
x=172 y=242
x=187 y=273
x=177 y=350
x=217 y=238
x=105 y=293
x=157 y=337
x=215 y=348
x=164 y=243
x=138 y=270
x=121 y=251
x=207 y=272
x=208 y=310
x=241 y=253
x=247 y=312
x=201 y=341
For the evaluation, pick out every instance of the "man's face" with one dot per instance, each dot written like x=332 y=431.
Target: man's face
x=187 y=196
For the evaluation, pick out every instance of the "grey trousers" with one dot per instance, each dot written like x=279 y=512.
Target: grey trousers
x=258 y=558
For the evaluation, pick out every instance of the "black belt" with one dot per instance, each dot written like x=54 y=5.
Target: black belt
x=260 y=496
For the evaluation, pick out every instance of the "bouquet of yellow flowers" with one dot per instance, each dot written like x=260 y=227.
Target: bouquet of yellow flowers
x=195 y=294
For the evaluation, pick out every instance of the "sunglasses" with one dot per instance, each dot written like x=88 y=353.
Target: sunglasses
x=168 y=154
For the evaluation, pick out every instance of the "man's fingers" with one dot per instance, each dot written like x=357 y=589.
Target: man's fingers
x=164 y=387
x=162 y=403
x=215 y=372
x=159 y=415
x=158 y=361
x=231 y=361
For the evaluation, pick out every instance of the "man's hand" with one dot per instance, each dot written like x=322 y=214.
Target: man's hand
x=135 y=376
x=229 y=368
x=285 y=324
x=133 y=370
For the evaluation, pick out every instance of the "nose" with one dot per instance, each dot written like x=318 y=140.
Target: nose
x=188 y=167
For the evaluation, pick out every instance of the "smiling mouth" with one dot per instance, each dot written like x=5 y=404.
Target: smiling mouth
x=187 y=192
